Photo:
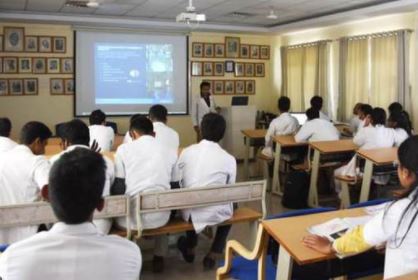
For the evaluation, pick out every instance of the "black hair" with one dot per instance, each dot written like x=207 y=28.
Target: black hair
x=76 y=132
x=316 y=102
x=204 y=84
x=213 y=127
x=33 y=130
x=134 y=117
x=5 y=127
x=395 y=107
x=76 y=183
x=366 y=109
x=312 y=114
x=143 y=125
x=158 y=112
x=283 y=104
x=97 y=117
x=378 y=116
x=401 y=121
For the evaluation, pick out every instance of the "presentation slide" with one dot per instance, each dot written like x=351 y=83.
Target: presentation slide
x=124 y=74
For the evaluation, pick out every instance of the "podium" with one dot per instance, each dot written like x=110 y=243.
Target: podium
x=237 y=118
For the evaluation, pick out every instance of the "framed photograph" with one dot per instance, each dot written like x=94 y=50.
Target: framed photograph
x=244 y=51
x=9 y=65
x=218 y=69
x=1 y=65
x=4 y=87
x=197 y=49
x=254 y=52
x=229 y=87
x=1 y=43
x=68 y=86
x=265 y=52
x=229 y=66
x=218 y=87
x=30 y=86
x=31 y=44
x=219 y=50
x=197 y=68
x=260 y=70
x=14 y=39
x=207 y=69
x=249 y=87
x=240 y=87
x=232 y=47
x=208 y=50
x=56 y=86
x=25 y=65
x=15 y=86
x=67 y=65
x=249 y=69
x=39 y=65
x=45 y=44
x=59 y=44
x=239 y=69
x=53 y=65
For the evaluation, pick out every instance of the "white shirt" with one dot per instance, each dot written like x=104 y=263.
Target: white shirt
x=6 y=144
x=200 y=108
x=400 y=258
x=374 y=137
x=103 y=225
x=206 y=164
x=317 y=130
x=22 y=175
x=127 y=138
x=324 y=116
x=400 y=136
x=71 y=252
x=146 y=166
x=104 y=136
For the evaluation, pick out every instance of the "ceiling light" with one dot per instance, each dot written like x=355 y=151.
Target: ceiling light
x=272 y=15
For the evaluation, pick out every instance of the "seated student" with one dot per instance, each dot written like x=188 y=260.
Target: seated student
x=99 y=132
x=400 y=123
x=316 y=129
x=23 y=173
x=75 y=134
x=73 y=248
x=396 y=225
x=163 y=133
x=200 y=165
x=397 y=107
x=285 y=124
x=364 y=113
x=316 y=103
x=145 y=165
x=355 y=121
x=127 y=138
x=6 y=143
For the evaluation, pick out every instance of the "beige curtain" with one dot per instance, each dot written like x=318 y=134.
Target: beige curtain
x=310 y=74
x=323 y=74
x=293 y=74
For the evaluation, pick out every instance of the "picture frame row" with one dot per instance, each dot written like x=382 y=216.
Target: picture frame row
x=61 y=86
x=15 y=40
x=19 y=87
x=232 y=48
x=219 y=68
x=232 y=87
x=36 y=65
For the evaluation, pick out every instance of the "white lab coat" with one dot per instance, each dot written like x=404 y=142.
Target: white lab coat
x=146 y=166
x=324 y=116
x=200 y=108
x=103 y=225
x=317 y=130
x=401 y=258
x=104 y=136
x=71 y=252
x=22 y=175
x=400 y=136
x=6 y=144
x=201 y=165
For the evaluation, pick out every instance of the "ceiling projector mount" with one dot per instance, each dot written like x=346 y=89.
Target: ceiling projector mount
x=190 y=16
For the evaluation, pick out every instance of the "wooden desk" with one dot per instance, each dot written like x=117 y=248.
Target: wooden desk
x=374 y=157
x=324 y=147
x=282 y=141
x=411 y=276
x=250 y=134
x=288 y=232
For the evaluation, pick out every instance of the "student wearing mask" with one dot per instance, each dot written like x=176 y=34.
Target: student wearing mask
x=6 y=143
x=99 y=132
x=316 y=129
x=316 y=104
x=364 y=111
x=355 y=121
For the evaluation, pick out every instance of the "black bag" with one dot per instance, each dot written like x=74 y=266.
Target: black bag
x=296 y=190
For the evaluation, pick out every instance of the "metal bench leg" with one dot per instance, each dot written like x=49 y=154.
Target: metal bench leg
x=267 y=175
x=345 y=195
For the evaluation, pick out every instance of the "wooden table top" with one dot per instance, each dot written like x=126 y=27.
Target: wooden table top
x=380 y=156
x=411 y=276
x=254 y=133
x=338 y=146
x=288 y=232
x=288 y=141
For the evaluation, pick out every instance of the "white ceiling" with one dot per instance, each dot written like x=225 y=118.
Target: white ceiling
x=217 y=11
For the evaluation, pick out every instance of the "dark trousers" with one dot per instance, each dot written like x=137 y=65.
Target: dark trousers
x=218 y=244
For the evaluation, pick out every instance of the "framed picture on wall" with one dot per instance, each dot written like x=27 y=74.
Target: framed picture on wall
x=244 y=51
x=1 y=65
x=249 y=87
x=31 y=44
x=197 y=68
x=25 y=65
x=218 y=69
x=30 y=86
x=13 y=39
x=39 y=65
x=207 y=69
x=16 y=87
x=254 y=52
x=59 y=44
x=197 y=49
x=219 y=50
x=69 y=86
x=56 y=86
x=232 y=47
x=67 y=65
x=239 y=87
x=10 y=65
x=53 y=65
x=260 y=70
x=229 y=66
x=239 y=69
x=249 y=69
x=1 y=43
x=265 y=52
x=208 y=50
x=218 y=87
x=229 y=87
x=45 y=44
x=4 y=87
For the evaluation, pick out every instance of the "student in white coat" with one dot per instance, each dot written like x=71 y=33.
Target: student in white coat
x=316 y=103
x=73 y=248
x=399 y=121
x=163 y=133
x=285 y=124
x=6 y=143
x=145 y=165
x=200 y=165
x=316 y=129
x=75 y=134
x=99 y=132
x=128 y=138
x=396 y=225
x=23 y=173
x=201 y=106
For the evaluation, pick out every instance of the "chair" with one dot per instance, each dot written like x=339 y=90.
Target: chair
x=113 y=125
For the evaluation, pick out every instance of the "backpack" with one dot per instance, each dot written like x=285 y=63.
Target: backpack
x=296 y=190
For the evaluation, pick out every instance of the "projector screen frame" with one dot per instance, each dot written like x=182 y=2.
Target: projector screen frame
x=187 y=113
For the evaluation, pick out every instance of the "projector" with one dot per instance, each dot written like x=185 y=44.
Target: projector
x=190 y=17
